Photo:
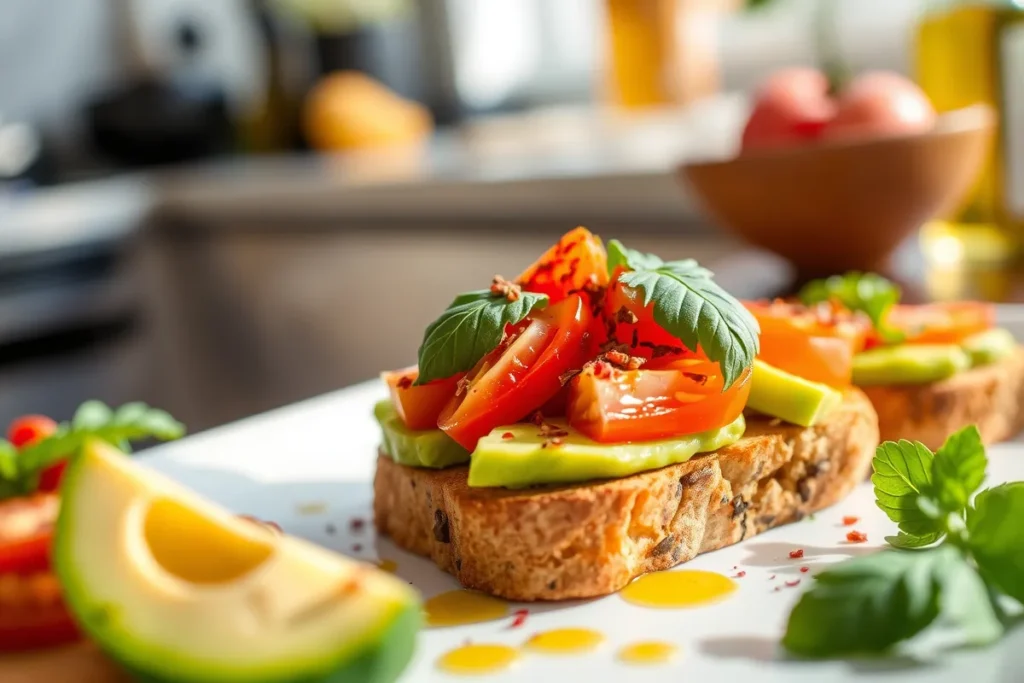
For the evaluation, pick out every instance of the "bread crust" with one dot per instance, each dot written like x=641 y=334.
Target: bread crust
x=990 y=396
x=567 y=542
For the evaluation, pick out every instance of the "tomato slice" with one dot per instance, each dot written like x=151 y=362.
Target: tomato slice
x=29 y=429
x=817 y=343
x=35 y=627
x=419 y=406
x=577 y=263
x=610 y=405
x=942 y=323
x=522 y=374
x=26 y=532
x=629 y=323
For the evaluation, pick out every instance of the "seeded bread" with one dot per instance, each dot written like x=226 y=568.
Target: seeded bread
x=990 y=396
x=560 y=543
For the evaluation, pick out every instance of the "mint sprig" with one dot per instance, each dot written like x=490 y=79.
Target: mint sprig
x=692 y=307
x=870 y=604
x=471 y=327
x=868 y=293
x=20 y=468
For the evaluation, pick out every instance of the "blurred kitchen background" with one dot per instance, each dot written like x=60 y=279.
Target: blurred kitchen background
x=220 y=207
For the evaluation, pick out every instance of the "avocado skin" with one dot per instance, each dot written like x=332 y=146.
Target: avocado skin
x=777 y=393
x=909 y=364
x=990 y=346
x=429 y=448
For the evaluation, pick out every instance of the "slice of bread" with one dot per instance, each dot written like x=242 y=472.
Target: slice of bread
x=991 y=396
x=564 y=542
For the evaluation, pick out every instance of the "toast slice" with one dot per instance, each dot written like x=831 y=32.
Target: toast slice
x=991 y=396
x=565 y=542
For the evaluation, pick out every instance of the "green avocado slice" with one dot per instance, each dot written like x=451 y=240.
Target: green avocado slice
x=989 y=346
x=175 y=588
x=524 y=460
x=428 y=448
x=909 y=364
x=777 y=393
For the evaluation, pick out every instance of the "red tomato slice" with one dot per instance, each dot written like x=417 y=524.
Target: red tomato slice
x=521 y=375
x=577 y=263
x=419 y=406
x=618 y=406
x=29 y=429
x=629 y=323
x=817 y=343
x=942 y=323
x=26 y=530
x=36 y=627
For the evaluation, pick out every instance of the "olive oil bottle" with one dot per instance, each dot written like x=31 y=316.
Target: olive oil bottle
x=969 y=52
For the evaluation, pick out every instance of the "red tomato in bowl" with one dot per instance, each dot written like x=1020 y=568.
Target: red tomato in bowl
x=577 y=263
x=521 y=375
x=880 y=103
x=419 y=406
x=684 y=396
x=791 y=108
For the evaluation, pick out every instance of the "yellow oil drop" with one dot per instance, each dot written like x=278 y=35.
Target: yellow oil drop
x=478 y=659
x=459 y=607
x=565 y=641
x=675 y=589
x=649 y=652
x=388 y=566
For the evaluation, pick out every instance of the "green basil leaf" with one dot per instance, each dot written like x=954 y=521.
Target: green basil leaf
x=906 y=541
x=630 y=259
x=996 y=537
x=902 y=477
x=472 y=327
x=968 y=603
x=690 y=306
x=869 y=293
x=8 y=461
x=870 y=603
x=90 y=415
x=958 y=469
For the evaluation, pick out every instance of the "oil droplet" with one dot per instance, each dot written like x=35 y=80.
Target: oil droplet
x=565 y=640
x=685 y=588
x=650 y=652
x=388 y=565
x=478 y=659
x=459 y=607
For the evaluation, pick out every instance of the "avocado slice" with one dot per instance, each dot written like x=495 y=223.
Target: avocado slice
x=528 y=459
x=777 y=393
x=175 y=588
x=989 y=346
x=909 y=364
x=428 y=448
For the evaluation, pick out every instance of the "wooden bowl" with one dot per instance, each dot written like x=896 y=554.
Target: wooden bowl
x=845 y=205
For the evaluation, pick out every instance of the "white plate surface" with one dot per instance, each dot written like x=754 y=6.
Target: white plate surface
x=308 y=467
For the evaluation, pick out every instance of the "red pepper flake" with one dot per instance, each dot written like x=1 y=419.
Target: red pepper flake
x=740 y=574
x=796 y=554
x=405 y=382
x=793 y=583
x=357 y=524
x=357 y=548
x=804 y=570
x=508 y=435
x=519 y=618
x=856 y=537
x=502 y=287
x=777 y=589
x=772 y=577
x=850 y=521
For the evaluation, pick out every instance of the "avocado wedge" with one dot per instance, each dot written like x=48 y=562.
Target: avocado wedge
x=175 y=588
x=777 y=393
x=989 y=346
x=428 y=448
x=909 y=364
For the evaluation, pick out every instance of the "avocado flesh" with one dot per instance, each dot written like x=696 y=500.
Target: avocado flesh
x=777 y=393
x=909 y=364
x=522 y=460
x=989 y=346
x=427 y=448
x=285 y=620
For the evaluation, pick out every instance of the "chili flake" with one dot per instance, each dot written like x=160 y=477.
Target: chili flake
x=856 y=537
x=536 y=418
x=519 y=618
x=793 y=583
x=502 y=287
x=623 y=360
x=740 y=574
x=405 y=382
x=461 y=386
x=804 y=570
x=357 y=547
x=796 y=554
x=850 y=521
x=357 y=524
x=624 y=315
x=549 y=431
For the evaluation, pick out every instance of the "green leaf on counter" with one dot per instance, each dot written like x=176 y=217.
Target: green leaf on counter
x=996 y=537
x=868 y=293
x=958 y=469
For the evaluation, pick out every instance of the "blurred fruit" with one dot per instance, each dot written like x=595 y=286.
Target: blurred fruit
x=790 y=108
x=348 y=110
x=880 y=103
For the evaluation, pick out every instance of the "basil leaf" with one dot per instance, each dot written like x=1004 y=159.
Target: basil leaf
x=906 y=541
x=91 y=415
x=630 y=259
x=468 y=330
x=958 y=469
x=868 y=293
x=996 y=537
x=870 y=603
x=902 y=477
x=968 y=603
x=8 y=461
x=690 y=306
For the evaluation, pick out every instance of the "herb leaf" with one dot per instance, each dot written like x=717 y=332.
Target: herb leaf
x=471 y=327
x=870 y=603
x=691 y=306
x=869 y=293
x=996 y=537
x=902 y=477
x=968 y=603
x=958 y=469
